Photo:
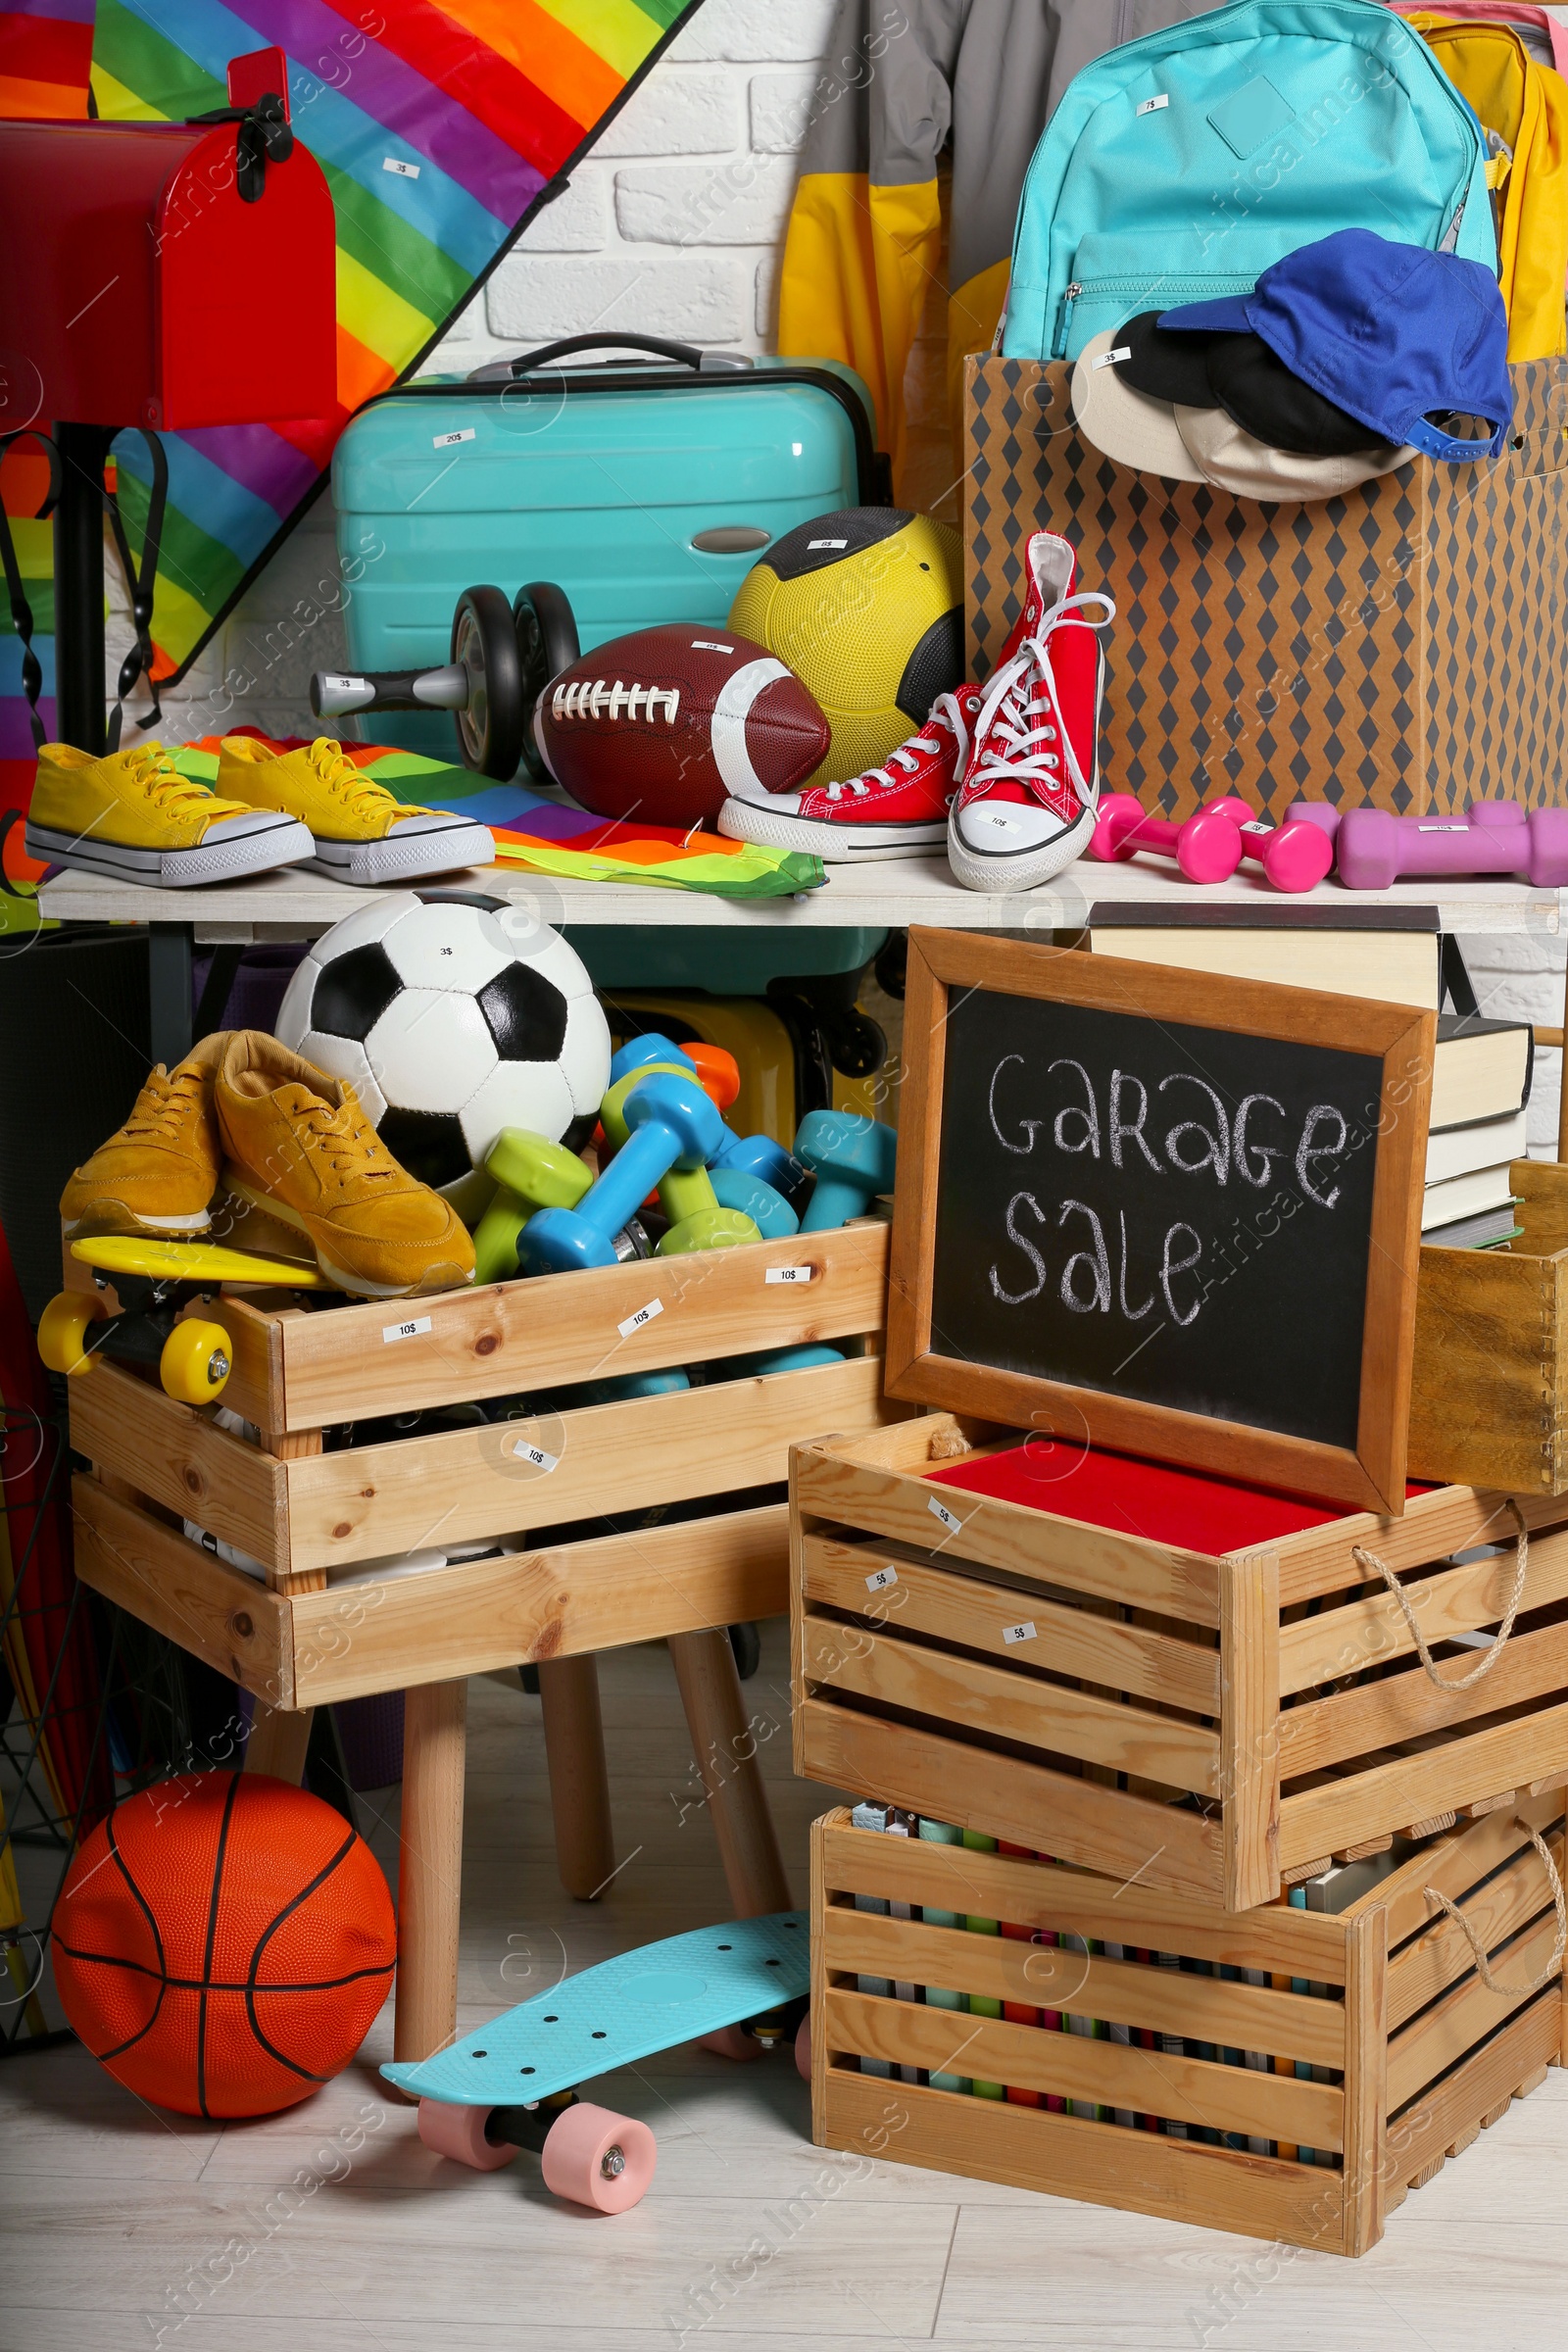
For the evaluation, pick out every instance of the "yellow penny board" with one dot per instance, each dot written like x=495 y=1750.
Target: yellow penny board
x=193 y=1262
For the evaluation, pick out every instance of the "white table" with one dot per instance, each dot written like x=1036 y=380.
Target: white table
x=889 y=895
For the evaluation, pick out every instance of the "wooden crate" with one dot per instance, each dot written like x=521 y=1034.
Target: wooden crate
x=1489 y=1398
x=1213 y=1726
x=1410 y=2054
x=303 y=1636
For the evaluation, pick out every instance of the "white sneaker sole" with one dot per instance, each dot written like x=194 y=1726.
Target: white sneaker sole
x=257 y=851
x=1004 y=872
x=403 y=855
x=93 y=1223
x=836 y=845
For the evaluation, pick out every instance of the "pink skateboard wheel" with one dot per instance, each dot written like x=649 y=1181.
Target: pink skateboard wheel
x=459 y=2133
x=731 y=2042
x=595 y=2158
x=803 y=2047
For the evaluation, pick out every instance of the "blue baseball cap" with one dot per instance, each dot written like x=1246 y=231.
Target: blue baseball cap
x=1394 y=335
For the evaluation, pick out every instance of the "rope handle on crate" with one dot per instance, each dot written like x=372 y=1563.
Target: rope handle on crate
x=1369 y=1559
x=1477 y=1948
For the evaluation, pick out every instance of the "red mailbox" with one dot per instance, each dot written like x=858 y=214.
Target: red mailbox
x=140 y=287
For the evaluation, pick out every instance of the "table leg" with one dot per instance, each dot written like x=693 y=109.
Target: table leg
x=429 y=1868
x=726 y=1757
x=278 y=1740
x=579 y=1787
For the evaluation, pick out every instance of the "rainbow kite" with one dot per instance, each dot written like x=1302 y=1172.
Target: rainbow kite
x=491 y=100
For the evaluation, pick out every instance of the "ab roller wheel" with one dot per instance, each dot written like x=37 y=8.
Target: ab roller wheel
x=501 y=659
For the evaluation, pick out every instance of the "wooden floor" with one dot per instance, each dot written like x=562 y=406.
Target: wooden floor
x=125 y=2227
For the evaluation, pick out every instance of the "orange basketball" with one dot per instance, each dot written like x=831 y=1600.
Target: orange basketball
x=223 y=1942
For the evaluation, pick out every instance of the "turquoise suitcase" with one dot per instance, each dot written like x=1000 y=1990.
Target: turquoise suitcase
x=646 y=488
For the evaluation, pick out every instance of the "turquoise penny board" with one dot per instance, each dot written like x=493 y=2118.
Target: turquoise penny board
x=623 y=2010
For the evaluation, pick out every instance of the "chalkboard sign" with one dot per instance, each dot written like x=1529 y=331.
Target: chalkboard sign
x=1155 y=1210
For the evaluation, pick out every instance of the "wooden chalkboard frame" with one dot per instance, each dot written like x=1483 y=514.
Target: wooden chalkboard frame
x=1371 y=1475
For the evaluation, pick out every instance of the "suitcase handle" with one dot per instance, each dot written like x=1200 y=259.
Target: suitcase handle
x=684 y=355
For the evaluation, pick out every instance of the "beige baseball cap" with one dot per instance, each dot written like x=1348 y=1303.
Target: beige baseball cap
x=1234 y=459
x=1125 y=425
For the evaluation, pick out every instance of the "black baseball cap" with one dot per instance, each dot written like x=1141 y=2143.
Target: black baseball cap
x=1164 y=365
x=1240 y=375
x=1255 y=388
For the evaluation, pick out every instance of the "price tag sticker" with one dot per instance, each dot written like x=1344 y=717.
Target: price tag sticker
x=450 y=440
x=880 y=1579
x=399 y=169
x=405 y=1331
x=643 y=1314
x=1112 y=359
x=950 y=1519
x=1153 y=106
x=535 y=1455
x=789 y=1274
x=1019 y=1633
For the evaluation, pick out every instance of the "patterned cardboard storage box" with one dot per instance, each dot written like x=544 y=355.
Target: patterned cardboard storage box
x=1403 y=647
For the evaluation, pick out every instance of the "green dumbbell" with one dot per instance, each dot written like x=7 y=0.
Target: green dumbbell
x=531 y=1173
x=696 y=1220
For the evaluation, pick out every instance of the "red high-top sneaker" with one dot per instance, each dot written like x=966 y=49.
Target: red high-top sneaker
x=1026 y=806
x=891 y=811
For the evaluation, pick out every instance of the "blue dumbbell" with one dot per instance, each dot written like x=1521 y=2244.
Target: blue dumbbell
x=756 y=1156
x=639 y=1052
x=853 y=1159
x=767 y=1209
x=674 y=1125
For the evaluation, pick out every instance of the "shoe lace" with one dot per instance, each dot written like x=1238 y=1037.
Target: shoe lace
x=164 y=1105
x=344 y=1137
x=1021 y=714
x=947 y=715
x=360 y=793
x=153 y=772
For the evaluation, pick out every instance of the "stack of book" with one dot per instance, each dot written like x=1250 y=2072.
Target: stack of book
x=1480 y=1089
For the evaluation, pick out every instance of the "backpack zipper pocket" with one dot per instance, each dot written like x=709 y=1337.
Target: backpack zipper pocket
x=1167 y=290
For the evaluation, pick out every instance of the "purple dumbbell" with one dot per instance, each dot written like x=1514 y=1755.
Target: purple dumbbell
x=1375 y=848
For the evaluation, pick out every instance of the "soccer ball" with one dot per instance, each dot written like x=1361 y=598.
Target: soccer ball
x=866 y=607
x=449 y=1030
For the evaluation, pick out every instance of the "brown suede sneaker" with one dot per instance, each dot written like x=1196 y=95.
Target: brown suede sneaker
x=299 y=1147
x=158 y=1173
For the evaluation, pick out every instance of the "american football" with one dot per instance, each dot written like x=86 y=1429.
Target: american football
x=664 y=723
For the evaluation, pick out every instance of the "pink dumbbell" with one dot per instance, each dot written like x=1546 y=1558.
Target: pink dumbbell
x=1326 y=816
x=1375 y=848
x=1211 y=846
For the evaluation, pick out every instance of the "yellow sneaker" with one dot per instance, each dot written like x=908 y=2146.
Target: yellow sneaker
x=300 y=1147
x=158 y=1173
x=132 y=814
x=362 y=833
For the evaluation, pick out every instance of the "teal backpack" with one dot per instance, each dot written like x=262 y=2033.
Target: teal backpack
x=1177 y=169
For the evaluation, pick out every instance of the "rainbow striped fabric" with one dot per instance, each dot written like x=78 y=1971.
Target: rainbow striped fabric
x=545 y=837
x=483 y=101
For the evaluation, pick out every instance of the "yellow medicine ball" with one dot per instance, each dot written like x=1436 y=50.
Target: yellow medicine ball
x=867 y=607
